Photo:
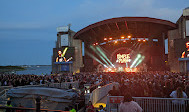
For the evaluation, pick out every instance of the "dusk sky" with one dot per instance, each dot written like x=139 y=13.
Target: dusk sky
x=28 y=27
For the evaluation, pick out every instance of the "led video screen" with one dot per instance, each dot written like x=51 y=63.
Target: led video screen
x=181 y=48
x=64 y=54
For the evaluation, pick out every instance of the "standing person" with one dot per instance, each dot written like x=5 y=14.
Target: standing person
x=101 y=109
x=90 y=107
x=9 y=105
x=128 y=105
x=70 y=86
x=178 y=94
x=72 y=109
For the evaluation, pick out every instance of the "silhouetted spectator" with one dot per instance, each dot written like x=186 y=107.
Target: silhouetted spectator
x=70 y=86
x=128 y=105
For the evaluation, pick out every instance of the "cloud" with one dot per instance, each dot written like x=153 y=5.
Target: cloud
x=87 y=12
x=95 y=11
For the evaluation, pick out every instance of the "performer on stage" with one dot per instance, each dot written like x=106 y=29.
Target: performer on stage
x=185 y=54
x=59 y=57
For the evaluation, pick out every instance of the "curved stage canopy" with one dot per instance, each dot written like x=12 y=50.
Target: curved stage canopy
x=138 y=27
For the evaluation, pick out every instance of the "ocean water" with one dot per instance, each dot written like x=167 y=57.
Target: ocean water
x=36 y=70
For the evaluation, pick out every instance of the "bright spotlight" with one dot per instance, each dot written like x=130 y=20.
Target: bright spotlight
x=124 y=41
x=139 y=55
x=105 y=38
x=144 y=40
x=139 y=40
x=129 y=36
x=109 y=69
x=116 y=41
x=122 y=37
x=110 y=38
x=96 y=43
x=105 y=66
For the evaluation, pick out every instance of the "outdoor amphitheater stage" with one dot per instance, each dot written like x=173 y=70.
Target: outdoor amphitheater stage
x=125 y=44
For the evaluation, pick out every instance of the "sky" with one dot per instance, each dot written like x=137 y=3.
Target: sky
x=28 y=27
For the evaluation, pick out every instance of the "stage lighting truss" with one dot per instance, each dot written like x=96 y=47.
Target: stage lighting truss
x=124 y=40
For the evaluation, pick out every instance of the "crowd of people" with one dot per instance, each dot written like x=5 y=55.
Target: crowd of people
x=149 y=84
x=22 y=80
x=139 y=84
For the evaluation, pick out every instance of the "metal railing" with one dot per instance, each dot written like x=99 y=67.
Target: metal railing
x=99 y=93
x=151 y=104
x=24 y=109
x=91 y=87
x=64 y=85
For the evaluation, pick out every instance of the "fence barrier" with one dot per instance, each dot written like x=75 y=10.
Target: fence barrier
x=100 y=93
x=151 y=104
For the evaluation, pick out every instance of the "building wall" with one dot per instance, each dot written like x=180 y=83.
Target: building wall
x=176 y=40
x=73 y=43
x=77 y=44
x=78 y=63
x=172 y=58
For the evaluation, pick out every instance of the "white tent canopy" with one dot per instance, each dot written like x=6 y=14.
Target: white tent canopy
x=50 y=97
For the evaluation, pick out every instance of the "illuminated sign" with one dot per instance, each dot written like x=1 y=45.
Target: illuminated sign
x=120 y=69
x=123 y=58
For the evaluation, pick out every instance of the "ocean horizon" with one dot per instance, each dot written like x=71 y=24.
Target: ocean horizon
x=35 y=70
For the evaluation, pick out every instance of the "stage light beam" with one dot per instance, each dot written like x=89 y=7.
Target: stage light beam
x=140 y=61
x=92 y=56
x=99 y=54
x=136 y=59
x=104 y=55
